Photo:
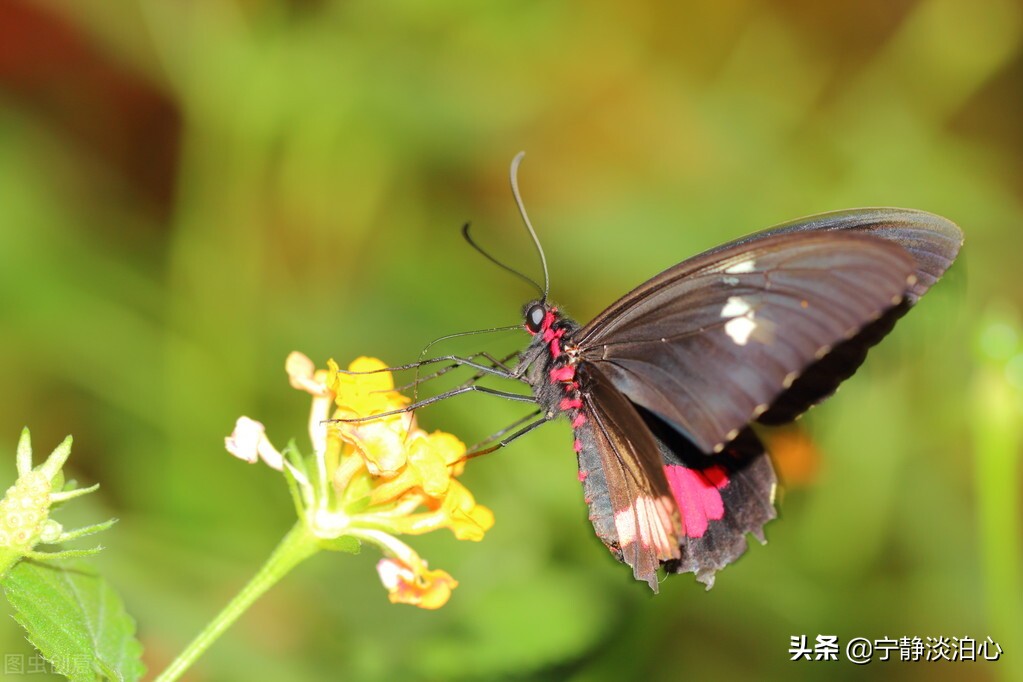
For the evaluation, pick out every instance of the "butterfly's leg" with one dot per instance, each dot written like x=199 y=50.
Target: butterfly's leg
x=475 y=451
x=514 y=425
x=442 y=396
x=498 y=369
x=500 y=365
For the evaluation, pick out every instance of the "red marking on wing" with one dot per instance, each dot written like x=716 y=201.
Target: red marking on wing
x=697 y=494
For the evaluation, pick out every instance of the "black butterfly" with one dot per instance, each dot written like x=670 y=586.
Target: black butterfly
x=662 y=386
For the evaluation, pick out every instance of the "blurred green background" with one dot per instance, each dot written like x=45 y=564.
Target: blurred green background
x=190 y=190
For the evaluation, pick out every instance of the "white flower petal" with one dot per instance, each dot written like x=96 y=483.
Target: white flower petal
x=244 y=441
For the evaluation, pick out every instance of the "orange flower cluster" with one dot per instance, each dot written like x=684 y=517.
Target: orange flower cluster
x=374 y=479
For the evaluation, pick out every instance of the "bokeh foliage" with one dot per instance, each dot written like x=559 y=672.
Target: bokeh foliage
x=190 y=190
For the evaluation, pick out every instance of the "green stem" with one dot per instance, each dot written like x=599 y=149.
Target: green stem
x=997 y=443
x=296 y=546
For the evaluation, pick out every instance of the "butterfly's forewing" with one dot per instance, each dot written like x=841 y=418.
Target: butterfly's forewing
x=631 y=505
x=820 y=379
x=931 y=240
x=709 y=344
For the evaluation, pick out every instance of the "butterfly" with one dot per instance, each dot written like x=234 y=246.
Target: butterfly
x=662 y=387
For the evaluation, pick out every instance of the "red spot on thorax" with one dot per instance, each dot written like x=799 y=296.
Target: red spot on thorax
x=548 y=320
x=566 y=373
x=579 y=420
x=697 y=494
x=570 y=403
x=551 y=336
x=583 y=475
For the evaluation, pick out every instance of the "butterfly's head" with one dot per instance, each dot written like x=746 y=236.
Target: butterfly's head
x=539 y=317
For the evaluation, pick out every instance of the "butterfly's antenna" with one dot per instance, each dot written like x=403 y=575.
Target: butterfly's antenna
x=514 y=173
x=473 y=244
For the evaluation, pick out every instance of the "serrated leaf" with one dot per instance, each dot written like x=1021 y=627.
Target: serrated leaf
x=76 y=620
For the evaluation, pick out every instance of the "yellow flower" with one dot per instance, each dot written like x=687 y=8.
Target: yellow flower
x=365 y=389
x=372 y=480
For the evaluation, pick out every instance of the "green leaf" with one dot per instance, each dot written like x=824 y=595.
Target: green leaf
x=76 y=620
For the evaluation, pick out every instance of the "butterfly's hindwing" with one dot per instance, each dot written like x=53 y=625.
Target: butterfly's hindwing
x=704 y=504
x=721 y=498
x=631 y=506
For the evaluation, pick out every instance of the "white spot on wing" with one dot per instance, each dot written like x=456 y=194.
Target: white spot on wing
x=743 y=266
x=735 y=306
x=739 y=329
x=742 y=324
x=650 y=522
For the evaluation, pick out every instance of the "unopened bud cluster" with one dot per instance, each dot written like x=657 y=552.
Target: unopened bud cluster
x=24 y=512
x=25 y=509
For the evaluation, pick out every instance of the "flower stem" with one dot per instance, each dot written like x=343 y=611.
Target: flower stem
x=294 y=548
